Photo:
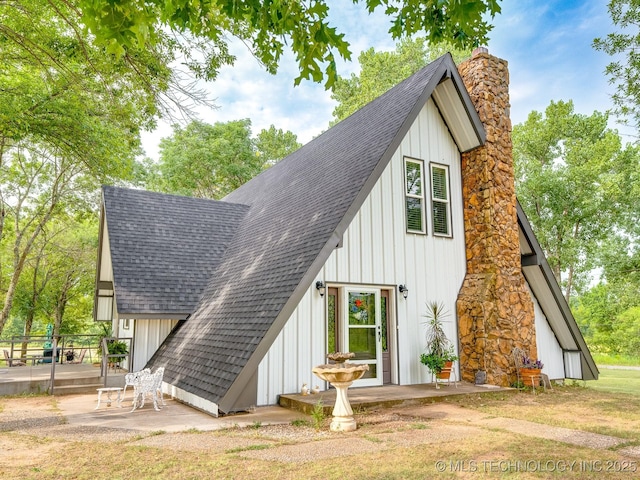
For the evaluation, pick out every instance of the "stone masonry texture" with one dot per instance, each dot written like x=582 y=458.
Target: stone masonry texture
x=495 y=309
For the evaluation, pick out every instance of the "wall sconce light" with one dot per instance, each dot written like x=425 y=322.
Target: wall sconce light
x=320 y=287
x=403 y=290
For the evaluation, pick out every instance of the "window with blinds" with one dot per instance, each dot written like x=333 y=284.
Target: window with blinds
x=414 y=195
x=440 y=200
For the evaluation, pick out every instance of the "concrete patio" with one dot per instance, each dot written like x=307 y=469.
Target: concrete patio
x=80 y=410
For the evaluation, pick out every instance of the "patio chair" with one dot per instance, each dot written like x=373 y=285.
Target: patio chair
x=149 y=384
x=518 y=356
x=12 y=362
x=80 y=358
x=133 y=380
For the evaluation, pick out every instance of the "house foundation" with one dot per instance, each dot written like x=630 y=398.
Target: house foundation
x=494 y=305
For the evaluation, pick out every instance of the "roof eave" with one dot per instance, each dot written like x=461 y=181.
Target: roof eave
x=153 y=315
x=456 y=107
x=591 y=372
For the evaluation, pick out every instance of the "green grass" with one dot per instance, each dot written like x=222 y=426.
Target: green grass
x=617 y=381
x=605 y=359
x=262 y=446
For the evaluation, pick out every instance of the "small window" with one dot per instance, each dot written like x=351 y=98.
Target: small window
x=440 y=200
x=414 y=195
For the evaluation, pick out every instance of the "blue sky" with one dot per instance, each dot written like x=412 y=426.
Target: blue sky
x=547 y=45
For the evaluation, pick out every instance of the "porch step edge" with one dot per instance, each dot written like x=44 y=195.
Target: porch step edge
x=77 y=389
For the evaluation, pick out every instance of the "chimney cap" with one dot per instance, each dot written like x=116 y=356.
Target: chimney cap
x=479 y=50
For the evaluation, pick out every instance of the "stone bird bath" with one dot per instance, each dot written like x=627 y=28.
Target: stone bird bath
x=341 y=375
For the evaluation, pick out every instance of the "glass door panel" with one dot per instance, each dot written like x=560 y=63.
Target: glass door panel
x=362 y=332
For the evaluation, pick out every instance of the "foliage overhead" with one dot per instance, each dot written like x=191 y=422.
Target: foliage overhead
x=270 y=27
x=69 y=120
x=624 y=46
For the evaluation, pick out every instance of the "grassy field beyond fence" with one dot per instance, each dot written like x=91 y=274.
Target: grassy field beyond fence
x=617 y=380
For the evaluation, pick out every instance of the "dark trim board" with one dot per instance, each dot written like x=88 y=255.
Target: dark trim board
x=589 y=369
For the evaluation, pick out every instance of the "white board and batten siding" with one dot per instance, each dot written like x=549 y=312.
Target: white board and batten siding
x=548 y=349
x=377 y=251
x=149 y=335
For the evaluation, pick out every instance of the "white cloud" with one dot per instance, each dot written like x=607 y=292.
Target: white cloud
x=547 y=45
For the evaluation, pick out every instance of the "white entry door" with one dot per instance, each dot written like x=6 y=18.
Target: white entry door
x=362 y=332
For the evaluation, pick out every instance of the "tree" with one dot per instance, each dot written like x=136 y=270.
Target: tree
x=59 y=273
x=628 y=332
x=269 y=27
x=575 y=182
x=38 y=187
x=379 y=71
x=69 y=120
x=624 y=45
x=610 y=324
x=209 y=161
x=596 y=311
x=50 y=68
x=29 y=302
x=274 y=144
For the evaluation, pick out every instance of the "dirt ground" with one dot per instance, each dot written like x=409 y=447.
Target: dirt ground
x=299 y=442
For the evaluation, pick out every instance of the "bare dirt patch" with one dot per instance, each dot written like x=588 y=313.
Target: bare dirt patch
x=401 y=442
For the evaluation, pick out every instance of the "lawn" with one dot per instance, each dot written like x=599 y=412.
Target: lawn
x=416 y=442
x=617 y=381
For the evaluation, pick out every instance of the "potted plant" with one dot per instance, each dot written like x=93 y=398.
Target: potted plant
x=439 y=354
x=114 y=346
x=439 y=362
x=530 y=367
x=530 y=370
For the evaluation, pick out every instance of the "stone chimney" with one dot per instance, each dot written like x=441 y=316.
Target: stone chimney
x=495 y=309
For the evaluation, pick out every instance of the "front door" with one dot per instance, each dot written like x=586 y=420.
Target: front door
x=363 y=332
x=358 y=322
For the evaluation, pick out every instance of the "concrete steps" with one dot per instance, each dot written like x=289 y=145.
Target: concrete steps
x=73 y=386
x=69 y=379
x=387 y=396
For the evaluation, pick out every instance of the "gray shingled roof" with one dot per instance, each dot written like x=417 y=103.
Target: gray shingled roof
x=164 y=249
x=299 y=210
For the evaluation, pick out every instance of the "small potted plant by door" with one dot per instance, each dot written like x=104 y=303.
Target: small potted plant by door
x=439 y=354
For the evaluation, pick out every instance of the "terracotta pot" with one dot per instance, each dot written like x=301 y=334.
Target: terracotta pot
x=445 y=373
x=530 y=376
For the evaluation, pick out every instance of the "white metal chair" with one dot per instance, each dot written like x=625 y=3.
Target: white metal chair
x=132 y=379
x=148 y=384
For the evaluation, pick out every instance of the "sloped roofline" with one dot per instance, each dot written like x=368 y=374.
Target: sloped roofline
x=445 y=70
x=195 y=232
x=539 y=261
